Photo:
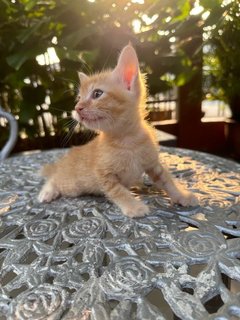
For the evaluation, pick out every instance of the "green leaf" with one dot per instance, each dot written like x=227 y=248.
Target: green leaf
x=210 y=4
x=17 y=60
x=216 y=17
x=26 y=34
x=6 y=3
x=73 y=39
x=27 y=111
x=181 y=79
x=34 y=95
x=184 y=6
x=76 y=55
x=30 y=4
x=73 y=55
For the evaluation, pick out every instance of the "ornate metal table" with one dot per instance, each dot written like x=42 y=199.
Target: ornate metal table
x=81 y=259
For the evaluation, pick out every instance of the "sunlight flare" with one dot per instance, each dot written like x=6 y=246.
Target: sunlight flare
x=138 y=1
x=48 y=58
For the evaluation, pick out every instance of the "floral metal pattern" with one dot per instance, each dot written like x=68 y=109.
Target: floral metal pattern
x=82 y=259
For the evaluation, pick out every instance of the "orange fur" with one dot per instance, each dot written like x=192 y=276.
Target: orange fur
x=125 y=148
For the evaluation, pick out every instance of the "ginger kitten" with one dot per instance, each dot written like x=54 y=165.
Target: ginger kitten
x=112 y=102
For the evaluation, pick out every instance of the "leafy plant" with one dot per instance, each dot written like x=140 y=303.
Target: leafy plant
x=85 y=35
x=222 y=54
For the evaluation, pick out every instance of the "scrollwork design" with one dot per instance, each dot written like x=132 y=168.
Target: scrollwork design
x=84 y=229
x=41 y=230
x=199 y=245
x=43 y=302
x=94 y=268
x=129 y=276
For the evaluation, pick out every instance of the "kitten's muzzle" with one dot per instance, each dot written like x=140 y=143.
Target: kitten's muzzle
x=79 y=111
x=80 y=106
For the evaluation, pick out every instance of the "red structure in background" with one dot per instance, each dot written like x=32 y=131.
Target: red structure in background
x=192 y=132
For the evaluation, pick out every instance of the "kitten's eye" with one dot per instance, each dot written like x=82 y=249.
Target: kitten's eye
x=97 y=93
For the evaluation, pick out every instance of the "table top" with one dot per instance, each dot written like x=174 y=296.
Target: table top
x=82 y=259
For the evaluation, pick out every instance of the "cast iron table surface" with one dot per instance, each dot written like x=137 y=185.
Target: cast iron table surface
x=82 y=259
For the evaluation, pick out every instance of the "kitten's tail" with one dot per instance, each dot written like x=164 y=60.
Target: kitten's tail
x=47 y=170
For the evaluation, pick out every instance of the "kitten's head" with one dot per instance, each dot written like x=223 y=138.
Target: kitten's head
x=112 y=99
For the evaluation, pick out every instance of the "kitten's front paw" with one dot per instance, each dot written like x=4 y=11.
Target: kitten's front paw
x=185 y=199
x=48 y=193
x=136 y=209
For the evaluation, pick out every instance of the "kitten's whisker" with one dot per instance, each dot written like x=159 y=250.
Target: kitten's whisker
x=70 y=120
x=87 y=67
x=65 y=118
x=57 y=109
x=69 y=124
x=68 y=90
x=69 y=134
x=107 y=59
x=68 y=80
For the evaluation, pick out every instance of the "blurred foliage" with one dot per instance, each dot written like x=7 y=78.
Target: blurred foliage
x=221 y=58
x=86 y=36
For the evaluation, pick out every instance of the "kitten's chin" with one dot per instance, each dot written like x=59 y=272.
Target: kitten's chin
x=75 y=116
x=91 y=124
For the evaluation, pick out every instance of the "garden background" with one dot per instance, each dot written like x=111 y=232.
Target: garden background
x=189 y=50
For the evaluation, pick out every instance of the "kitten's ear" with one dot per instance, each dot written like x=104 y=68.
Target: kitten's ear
x=82 y=76
x=127 y=68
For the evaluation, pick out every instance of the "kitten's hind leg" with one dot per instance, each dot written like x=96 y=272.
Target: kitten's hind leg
x=163 y=180
x=49 y=192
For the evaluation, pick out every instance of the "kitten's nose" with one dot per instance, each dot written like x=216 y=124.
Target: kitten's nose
x=80 y=106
